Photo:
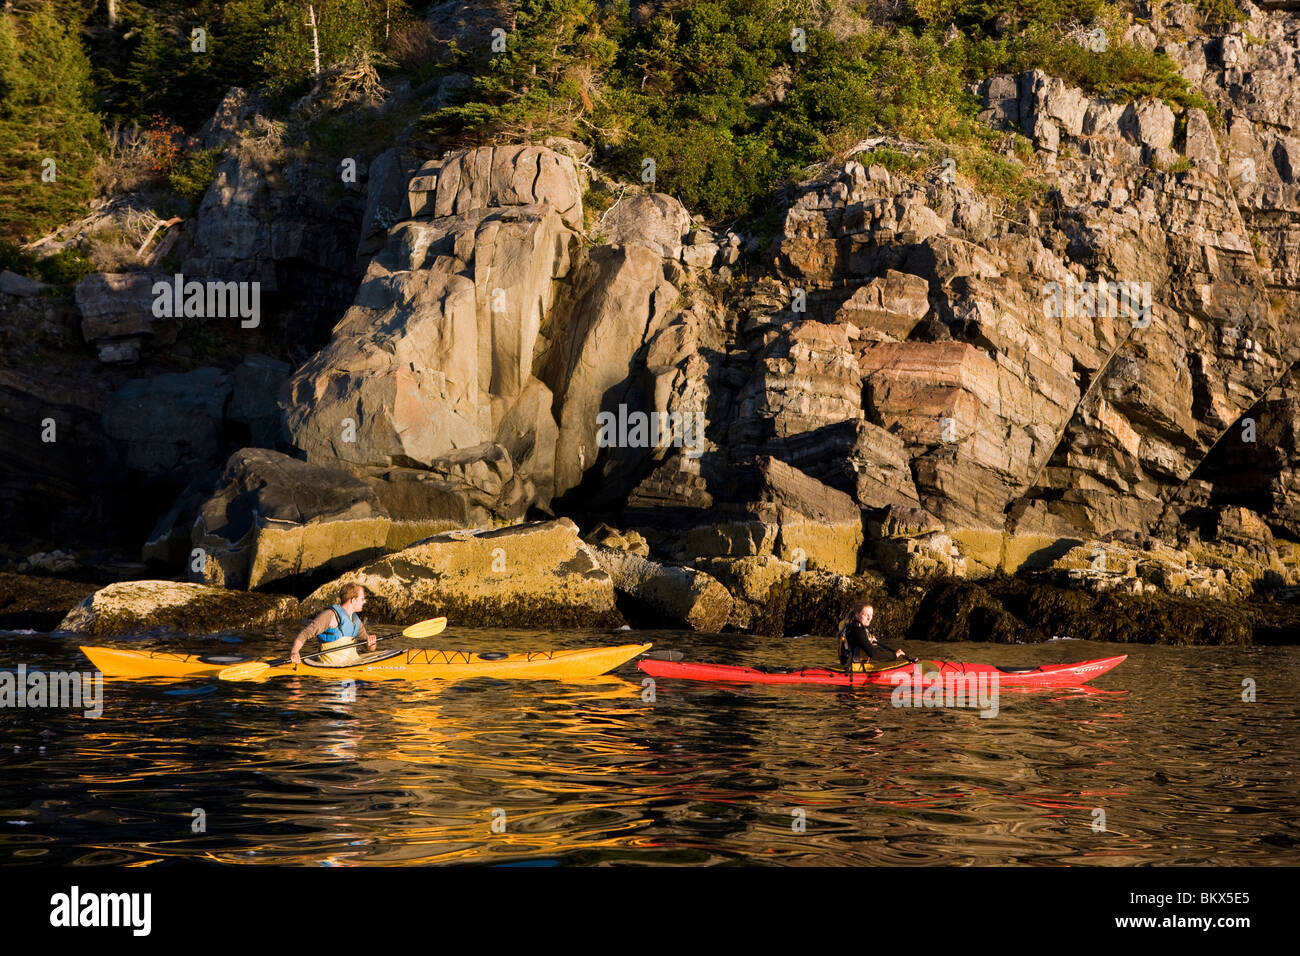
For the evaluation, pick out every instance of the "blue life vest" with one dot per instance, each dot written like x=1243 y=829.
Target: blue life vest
x=349 y=626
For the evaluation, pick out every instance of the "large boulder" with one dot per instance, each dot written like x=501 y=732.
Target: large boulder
x=888 y=307
x=676 y=596
x=117 y=314
x=538 y=574
x=492 y=176
x=817 y=526
x=135 y=607
x=653 y=220
x=275 y=517
x=438 y=347
x=753 y=582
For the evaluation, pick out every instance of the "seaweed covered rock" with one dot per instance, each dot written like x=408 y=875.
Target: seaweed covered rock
x=137 y=607
x=538 y=574
x=1138 y=618
x=759 y=585
x=36 y=602
x=964 y=611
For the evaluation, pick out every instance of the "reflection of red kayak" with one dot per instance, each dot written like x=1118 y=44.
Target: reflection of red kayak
x=1046 y=675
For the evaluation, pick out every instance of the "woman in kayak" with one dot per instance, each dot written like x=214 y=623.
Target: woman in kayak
x=859 y=646
x=338 y=624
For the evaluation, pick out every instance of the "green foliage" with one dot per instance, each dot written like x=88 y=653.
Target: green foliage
x=541 y=82
x=1121 y=72
x=342 y=28
x=983 y=14
x=1180 y=165
x=998 y=176
x=150 y=67
x=64 y=268
x=713 y=93
x=893 y=160
x=192 y=176
x=692 y=73
x=45 y=114
x=1221 y=12
x=711 y=90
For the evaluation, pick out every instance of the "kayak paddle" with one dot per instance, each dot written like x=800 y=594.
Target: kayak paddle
x=253 y=669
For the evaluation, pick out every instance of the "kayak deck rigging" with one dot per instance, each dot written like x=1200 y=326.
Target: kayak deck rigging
x=408 y=664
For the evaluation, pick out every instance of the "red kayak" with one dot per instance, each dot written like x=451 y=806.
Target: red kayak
x=1045 y=675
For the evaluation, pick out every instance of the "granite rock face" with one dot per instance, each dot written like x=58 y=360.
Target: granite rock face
x=274 y=517
x=678 y=596
x=169 y=426
x=439 y=347
x=484 y=321
x=911 y=376
x=653 y=220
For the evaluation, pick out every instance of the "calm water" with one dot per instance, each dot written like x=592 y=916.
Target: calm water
x=296 y=771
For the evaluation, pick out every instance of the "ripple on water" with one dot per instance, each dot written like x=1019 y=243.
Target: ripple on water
x=306 y=772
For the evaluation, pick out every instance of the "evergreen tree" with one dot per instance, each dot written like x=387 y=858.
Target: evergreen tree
x=240 y=42
x=45 y=114
x=307 y=31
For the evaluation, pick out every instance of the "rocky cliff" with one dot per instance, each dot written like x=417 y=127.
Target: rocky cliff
x=909 y=378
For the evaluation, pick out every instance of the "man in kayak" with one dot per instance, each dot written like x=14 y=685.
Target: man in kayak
x=859 y=646
x=338 y=624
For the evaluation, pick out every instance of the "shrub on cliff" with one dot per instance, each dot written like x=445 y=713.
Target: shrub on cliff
x=730 y=100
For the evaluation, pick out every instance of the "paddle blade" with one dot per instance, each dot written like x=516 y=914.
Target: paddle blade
x=435 y=625
x=246 y=671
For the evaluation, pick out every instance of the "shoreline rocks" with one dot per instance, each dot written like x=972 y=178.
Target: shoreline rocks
x=542 y=575
x=138 y=607
x=538 y=574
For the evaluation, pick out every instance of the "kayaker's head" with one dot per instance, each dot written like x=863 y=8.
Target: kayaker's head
x=863 y=613
x=352 y=597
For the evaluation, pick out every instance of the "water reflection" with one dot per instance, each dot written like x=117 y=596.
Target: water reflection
x=312 y=772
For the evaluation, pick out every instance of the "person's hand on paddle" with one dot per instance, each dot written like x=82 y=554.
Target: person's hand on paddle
x=295 y=657
x=370 y=641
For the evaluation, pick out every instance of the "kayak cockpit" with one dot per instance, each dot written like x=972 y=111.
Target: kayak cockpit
x=367 y=659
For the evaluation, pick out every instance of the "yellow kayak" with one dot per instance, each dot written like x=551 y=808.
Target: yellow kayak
x=409 y=664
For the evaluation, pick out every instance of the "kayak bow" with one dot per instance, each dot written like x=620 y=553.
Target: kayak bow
x=413 y=664
x=1047 y=675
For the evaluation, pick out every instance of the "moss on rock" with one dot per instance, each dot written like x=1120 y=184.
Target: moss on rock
x=136 y=607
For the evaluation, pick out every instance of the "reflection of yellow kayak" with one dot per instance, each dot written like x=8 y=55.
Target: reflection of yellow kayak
x=410 y=664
